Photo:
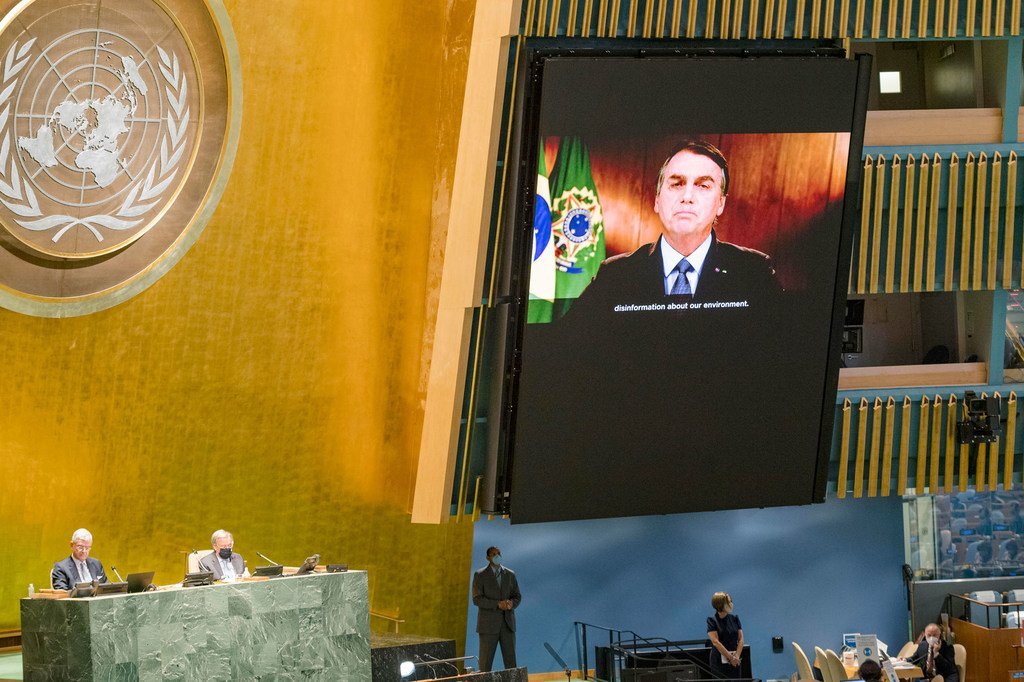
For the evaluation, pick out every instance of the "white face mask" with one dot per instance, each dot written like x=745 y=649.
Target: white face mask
x=933 y=640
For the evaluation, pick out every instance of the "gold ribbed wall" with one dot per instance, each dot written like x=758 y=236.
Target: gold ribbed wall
x=898 y=446
x=937 y=223
x=770 y=18
x=272 y=382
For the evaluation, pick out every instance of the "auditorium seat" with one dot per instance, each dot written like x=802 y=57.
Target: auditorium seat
x=822 y=660
x=835 y=666
x=1015 y=596
x=980 y=615
x=960 y=657
x=803 y=666
x=194 y=558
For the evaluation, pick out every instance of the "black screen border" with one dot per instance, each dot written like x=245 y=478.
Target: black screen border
x=520 y=185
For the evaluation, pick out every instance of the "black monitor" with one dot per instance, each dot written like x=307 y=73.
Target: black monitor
x=679 y=278
x=110 y=588
x=140 y=582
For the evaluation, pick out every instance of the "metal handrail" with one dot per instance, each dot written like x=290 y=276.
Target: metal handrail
x=622 y=649
x=1004 y=608
x=582 y=655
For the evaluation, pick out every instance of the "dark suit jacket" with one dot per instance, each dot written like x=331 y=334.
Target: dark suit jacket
x=486 y=595
x=65 y=573
x=945 y=661
x=211 y=562
x=729 y=273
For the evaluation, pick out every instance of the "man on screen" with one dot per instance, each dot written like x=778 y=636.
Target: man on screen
x=688 y=260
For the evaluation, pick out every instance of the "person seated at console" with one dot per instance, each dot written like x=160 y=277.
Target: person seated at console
x=1011 y=552
x=935 y=656
x=79 y=567
x=224 y=563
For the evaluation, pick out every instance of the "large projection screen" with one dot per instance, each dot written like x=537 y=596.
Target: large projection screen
x=635 y=392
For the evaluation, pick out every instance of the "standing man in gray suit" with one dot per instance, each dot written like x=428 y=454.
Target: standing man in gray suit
x=496 y=596
x=224 y=563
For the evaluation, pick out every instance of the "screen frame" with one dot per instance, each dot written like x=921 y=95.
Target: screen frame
x=520 y=187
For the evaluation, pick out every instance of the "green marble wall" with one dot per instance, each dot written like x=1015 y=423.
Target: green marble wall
x=310 y=627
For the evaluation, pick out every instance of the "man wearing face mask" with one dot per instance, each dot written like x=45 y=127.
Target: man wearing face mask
x=224 y=563
x=496 y=596
x=936 y=657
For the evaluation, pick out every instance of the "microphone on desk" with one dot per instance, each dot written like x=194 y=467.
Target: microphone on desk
x=266 y=558
x=114 y=569
x=420 y=661
x=438 y=660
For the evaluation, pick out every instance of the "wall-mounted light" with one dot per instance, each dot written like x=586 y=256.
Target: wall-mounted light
x=889 y=82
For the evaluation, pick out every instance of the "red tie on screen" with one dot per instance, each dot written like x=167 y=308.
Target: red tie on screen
x=930 y=668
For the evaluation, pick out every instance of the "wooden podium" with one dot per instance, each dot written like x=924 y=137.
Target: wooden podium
x=991 y=652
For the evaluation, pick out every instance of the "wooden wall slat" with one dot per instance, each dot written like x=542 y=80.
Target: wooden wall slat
x=922 y=446
x=951 y=206
x=950 y=445
x=873 y=453
x=887 y=446
x=858 y=462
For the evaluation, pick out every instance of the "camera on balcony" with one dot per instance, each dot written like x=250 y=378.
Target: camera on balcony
x=981 y=424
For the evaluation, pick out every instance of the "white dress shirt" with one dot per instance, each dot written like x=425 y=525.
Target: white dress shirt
x=670 y=259
x=227 y=569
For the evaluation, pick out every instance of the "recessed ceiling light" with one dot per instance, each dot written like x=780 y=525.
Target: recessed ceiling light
x=889 y=82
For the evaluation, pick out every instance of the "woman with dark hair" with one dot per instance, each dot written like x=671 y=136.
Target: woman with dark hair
x=726 y=636
x=870 y=671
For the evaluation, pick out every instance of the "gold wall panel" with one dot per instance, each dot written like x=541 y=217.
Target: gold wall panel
x=935 y=458
x=272 y=382
x=777 y=18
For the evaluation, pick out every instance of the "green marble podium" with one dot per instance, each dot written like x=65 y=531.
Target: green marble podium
x=305 y=627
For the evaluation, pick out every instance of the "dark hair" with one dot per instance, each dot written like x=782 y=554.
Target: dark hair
x=870 y=671
x=492 y=550
x=701 y=148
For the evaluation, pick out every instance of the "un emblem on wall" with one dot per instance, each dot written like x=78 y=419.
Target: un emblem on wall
x=118 y=124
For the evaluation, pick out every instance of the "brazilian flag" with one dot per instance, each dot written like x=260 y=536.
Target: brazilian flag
x=577 y=225
x=542 y=270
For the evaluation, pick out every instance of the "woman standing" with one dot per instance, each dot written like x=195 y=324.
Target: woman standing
x=726 y=636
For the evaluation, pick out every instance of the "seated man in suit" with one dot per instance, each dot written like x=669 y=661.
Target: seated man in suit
x=935 y=657
x=79 y=567
x=496 y=596
x=224 y=563
x=687 y=259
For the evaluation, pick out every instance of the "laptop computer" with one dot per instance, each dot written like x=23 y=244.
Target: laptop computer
x=140 y=582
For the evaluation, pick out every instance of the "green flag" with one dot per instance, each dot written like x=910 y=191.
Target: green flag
x=577 y=224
